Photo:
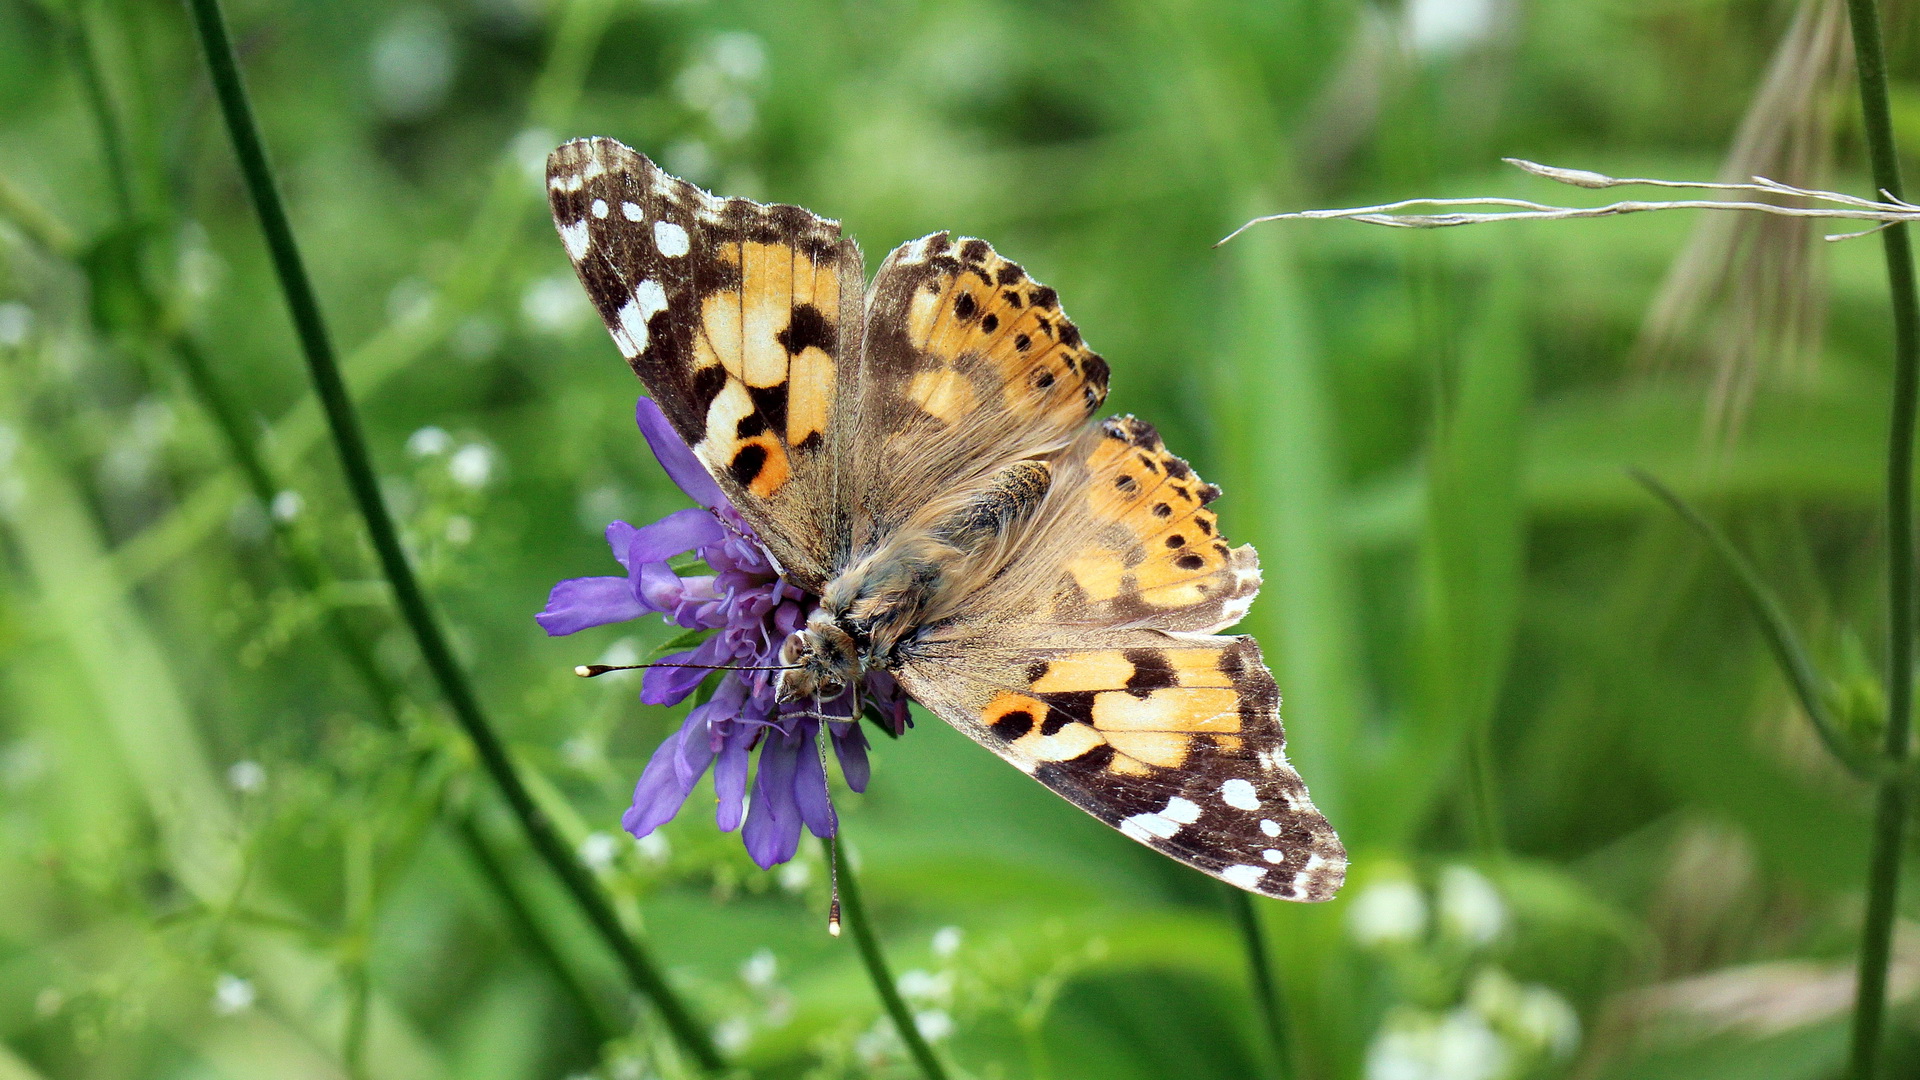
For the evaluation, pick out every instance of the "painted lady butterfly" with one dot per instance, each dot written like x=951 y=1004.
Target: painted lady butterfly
x=920 y=454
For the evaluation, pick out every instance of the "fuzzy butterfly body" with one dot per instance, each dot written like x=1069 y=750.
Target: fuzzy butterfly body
x=921 y=454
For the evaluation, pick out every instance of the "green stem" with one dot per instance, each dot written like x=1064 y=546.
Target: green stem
x=112 y=142
x=355 y=461
x=855 y=912
x=1890 y=815
x=520 y=915
x=1266 y=990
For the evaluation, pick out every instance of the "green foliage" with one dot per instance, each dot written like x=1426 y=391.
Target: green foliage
x=239 y=835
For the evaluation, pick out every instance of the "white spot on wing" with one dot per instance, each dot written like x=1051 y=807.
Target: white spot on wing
x=631 y=336
x=1243 y=876
x=670 y=238
x=567 y=182
x=1239 y=794
x=575 y=237
x=600 y=208
x=632 y=211
x=1274 y=856
x=1270 y=827
x=1181 y=810
x=1146 y=827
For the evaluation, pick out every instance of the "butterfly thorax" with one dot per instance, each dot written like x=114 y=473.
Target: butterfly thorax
x=870 y=612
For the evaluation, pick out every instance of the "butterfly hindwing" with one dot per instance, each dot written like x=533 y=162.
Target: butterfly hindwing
x=742 y=319
x=1152 y=553
x=1173 y=739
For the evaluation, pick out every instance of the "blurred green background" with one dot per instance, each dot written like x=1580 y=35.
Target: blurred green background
x=1592 y=836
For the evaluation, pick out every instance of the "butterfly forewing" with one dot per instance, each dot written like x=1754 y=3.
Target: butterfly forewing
x=742 y=319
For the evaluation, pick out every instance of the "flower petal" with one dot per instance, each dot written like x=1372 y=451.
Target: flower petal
x=730 y=780
x=772 y=832
x=810 y=789
x=578 y=603
x=675 y=457
x=619 y=536
x=664 y=684
x=664 y=786
x=675 y=534
x=850 y=746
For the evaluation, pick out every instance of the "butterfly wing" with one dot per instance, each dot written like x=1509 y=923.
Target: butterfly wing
x=1080 y=664
x=969 y=364
x=744 y=322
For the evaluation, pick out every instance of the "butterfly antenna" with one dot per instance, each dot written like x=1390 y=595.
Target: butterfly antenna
x=588 y=671
x=833 y=843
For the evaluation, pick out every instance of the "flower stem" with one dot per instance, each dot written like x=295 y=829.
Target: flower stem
x=1890 y=814
x=1266 y=990
x=355 y=461
x=854 y=915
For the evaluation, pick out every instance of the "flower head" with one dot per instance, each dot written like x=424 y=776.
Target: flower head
x=750 y=610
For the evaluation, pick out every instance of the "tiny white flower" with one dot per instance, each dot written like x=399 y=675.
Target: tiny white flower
x=738 y=55
x=653 y=847
x=287 y=505
x=946 y=942
x=16 y=322
x=597 y=850
x=471 y=466
x=1438 y=27
x=555 y=304
x=933 y=1024
x=232 y=994
x=690 y=158
x=429 y=441
x=732 y=115
x=529 y=150
x=412 y=63
x=759 y=969
x=1416 y=1045
x=733 y=1035
x=1470 y=907
x=476 y=338
x=1388 y=912
x=795 y=876
x=247 y=777
x=918 y=985
x=459 y=530
x=580 y=751
x=410 y=300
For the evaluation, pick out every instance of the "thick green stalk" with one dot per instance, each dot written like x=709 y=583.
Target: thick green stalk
x=344 y=426
x=855 y=911
x=1890 y=814
x=1266 y=990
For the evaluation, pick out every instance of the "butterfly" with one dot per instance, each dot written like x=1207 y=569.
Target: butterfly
x=921 y=454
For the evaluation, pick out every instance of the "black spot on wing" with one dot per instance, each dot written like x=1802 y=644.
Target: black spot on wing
x=747 y=463
x=1011 y=726
x=807 y=327
x=1152 y=670
x=1067 y=707
x=771 y=402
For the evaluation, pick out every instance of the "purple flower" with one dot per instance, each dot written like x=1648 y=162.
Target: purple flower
x=751 y=610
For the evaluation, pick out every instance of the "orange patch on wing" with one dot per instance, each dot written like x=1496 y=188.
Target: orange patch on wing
x=1174 y=710
x=943 y=393
x=766 y=290
x=1166 y=749
x=1070 y=672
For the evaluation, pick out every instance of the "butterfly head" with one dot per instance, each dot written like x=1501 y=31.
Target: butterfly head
x=825 y=659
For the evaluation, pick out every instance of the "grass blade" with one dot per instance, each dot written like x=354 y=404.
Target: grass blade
x=1809 y=686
